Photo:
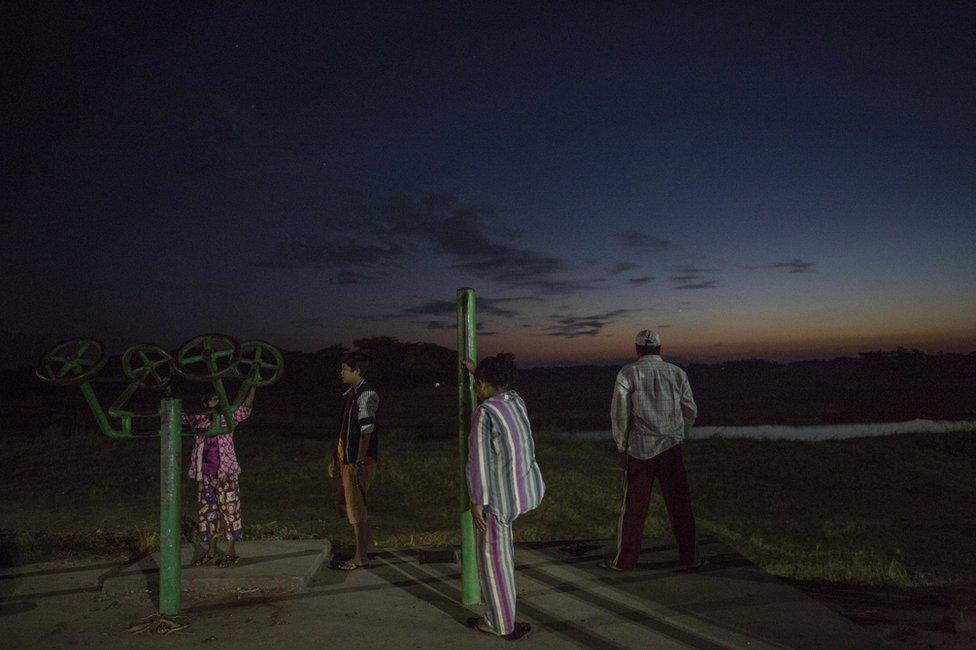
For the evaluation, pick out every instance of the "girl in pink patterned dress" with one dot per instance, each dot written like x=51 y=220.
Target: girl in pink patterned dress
x=213 y=463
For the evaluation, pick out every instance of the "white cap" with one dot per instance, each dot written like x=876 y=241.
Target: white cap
x=648 y=339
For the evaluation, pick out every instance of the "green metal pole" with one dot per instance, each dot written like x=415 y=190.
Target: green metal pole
x=470 y=586
x=170 y=448
x=96 y=408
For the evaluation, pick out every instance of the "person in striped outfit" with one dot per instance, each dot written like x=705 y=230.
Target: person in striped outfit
x=504 y=481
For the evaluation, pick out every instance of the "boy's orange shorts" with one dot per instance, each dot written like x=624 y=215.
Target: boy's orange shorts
x=350 y=497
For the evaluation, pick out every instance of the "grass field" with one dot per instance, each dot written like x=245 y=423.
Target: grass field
x=894 y=510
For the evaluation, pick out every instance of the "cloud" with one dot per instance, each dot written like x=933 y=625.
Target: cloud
x=642 y=241
x=706 y=284
x=468 y=238
x=316 y=255
x=448 y=325
x=692 y=278
x=642 y=280
x=445 y=307
x=572 y=327
x=466 y=233
x=544 y=286
x=621 y=267
x=502 y=264
x=790 y=266
x=794 y=266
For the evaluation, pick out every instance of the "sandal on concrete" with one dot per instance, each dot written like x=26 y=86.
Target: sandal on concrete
x=228 y=561
x=475 y=623
x=349 y=565
x=520 y=632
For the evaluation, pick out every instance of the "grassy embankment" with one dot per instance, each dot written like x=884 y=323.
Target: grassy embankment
x=895 y=510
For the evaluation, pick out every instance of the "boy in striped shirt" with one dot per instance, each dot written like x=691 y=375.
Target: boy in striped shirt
x=504 y=481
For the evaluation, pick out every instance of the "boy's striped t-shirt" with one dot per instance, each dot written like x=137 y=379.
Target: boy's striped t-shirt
x=502 y=471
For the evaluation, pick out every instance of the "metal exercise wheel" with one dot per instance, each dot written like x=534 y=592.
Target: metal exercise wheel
x=260 y=361
x=71 y=362
x=208 y=357
x=149 y=365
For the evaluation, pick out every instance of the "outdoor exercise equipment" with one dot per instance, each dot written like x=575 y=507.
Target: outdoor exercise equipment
x=467 y=349
x=206 y=358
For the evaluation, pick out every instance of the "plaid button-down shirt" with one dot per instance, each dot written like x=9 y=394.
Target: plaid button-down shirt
x=652 y=408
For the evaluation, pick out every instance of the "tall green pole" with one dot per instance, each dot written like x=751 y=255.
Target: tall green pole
x=170 y=589
x=470 y=587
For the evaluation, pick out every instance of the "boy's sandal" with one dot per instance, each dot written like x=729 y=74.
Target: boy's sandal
x=206 y=558
x=228 y=561
x=349 y=565
x=608 y=565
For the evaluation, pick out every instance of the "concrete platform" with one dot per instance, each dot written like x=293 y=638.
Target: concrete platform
x=730 y=604
x=398 y=601
x=272 y=564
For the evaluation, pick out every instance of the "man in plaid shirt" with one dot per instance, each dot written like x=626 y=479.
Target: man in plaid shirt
x=651 y=414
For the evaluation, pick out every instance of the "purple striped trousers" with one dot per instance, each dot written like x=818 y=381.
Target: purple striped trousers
x=496 y=569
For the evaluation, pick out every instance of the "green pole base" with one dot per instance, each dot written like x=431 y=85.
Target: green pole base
x=470 y=584
x=170 y=448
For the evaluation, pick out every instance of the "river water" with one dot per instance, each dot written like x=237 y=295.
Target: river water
x=813 y=432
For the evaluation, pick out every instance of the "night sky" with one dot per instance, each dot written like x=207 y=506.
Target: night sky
x=774 y=180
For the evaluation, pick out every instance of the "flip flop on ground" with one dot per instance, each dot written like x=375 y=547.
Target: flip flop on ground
x=521 y=630
x=480 y=624
x=349 y=565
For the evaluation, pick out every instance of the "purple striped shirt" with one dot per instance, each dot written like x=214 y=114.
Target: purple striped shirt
x=502 y=471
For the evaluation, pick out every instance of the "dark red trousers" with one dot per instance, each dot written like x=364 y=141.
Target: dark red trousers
x=669 y=469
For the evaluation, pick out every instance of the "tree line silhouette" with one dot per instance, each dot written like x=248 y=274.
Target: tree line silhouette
x=418 y=387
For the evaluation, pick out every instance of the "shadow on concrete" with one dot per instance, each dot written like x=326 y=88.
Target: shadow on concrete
x=443 y=595
x=59 y=571
x=19 y=607
x=8 y=581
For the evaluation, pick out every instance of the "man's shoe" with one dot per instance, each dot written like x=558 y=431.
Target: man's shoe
x=608 y=565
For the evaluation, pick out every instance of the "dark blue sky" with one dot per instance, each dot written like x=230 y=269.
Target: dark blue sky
x=773 y=180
